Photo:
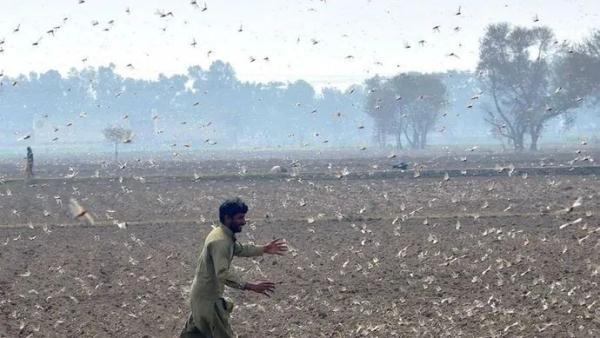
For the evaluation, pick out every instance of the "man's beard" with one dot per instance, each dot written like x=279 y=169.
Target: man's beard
x=235 y=228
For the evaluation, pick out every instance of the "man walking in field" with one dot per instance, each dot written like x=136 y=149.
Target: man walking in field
x=29 y=164
x=209 y=317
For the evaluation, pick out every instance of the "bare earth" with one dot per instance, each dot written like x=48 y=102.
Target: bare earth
x=427 y=256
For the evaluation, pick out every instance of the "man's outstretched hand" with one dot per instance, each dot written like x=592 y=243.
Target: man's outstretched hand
x=261 y=287
x=276 y=247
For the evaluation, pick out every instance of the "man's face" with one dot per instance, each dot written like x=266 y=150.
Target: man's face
x=235 y=222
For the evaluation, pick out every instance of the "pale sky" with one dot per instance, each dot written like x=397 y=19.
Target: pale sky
x=374 y=33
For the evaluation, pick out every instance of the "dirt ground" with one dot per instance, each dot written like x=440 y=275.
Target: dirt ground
x=429 y=256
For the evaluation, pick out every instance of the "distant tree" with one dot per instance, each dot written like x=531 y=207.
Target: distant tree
x=520 y=69
x=407 y=105
x=421 y=99
x=591 y=48
x=118 y=135
x=380 y=107
x=338 y=114
x=581 y=65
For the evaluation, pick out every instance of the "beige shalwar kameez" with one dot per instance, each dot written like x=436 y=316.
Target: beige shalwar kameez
x=209 y=316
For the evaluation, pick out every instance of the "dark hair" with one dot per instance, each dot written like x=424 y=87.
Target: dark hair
x=231 y=207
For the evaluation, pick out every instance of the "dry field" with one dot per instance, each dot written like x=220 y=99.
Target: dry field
x=438 y=255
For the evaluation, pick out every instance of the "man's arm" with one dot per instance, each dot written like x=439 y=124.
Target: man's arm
x=276 y=247
x=220 y=256
x=248 y=250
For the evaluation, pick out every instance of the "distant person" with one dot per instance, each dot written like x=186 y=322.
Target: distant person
x=209 y=315
x=29 y=164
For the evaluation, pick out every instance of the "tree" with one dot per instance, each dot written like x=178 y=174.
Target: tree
x=591 y=70
x=518 y=67
x=421 y=99
x=380 y=105
x=581 y=65
x=118 y=135
x=406 y=106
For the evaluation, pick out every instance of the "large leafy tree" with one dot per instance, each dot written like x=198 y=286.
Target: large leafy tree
x=519 y=69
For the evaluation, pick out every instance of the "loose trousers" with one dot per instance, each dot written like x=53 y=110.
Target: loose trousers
x=209 y=320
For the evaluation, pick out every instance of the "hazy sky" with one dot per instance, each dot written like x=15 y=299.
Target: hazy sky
x=374 y=33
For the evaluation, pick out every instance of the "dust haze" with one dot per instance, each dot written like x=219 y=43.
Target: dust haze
x=431 y=167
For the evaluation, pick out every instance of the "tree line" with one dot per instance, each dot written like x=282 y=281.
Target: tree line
x=210 y=105
x=526 y=78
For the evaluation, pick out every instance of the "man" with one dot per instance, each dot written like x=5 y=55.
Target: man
x=29 y=164
x=209 y=317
